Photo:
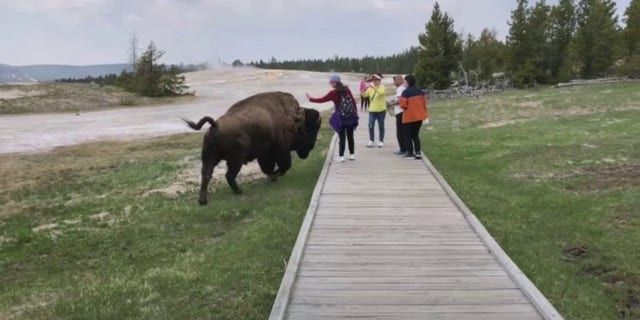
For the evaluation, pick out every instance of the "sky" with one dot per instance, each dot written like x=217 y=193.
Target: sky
x=82 y=32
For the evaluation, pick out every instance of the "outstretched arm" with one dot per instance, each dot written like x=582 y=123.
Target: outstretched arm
x=326 y=98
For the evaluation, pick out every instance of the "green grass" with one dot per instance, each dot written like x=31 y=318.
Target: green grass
x=554 y=175
x=79 y=239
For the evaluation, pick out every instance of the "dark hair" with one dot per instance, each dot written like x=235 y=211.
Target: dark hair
x=411 y=80
x=340 y=87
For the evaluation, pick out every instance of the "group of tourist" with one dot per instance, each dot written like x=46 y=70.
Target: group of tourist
x=409 y=107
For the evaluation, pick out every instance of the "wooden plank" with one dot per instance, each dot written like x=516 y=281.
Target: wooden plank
x=434 y=316
x=381 y=221
x=383 y=242
x=397 y=211
x=447 y=231
x=415 y=250
x=346 y=264
x=404 y=284
x=384 y=204
x=424 y=310
x=403 y=273
x=399 y=267
x=426 y=256
x=442 y=225
x=409 y=297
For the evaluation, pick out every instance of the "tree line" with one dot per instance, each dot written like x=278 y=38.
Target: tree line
x=546 y=44
x=398 y=63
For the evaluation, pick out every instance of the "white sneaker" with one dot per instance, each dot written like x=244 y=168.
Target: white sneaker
x=340 y=159
x=352 y=157
x=370 y=144
x=380 y=144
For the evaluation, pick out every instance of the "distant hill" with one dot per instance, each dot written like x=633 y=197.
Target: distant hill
x=13 y=74
x=33 y=73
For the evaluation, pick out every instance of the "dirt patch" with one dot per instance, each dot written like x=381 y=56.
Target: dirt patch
x=4 y=240
x=500 y=123
x=601 y=178
x=624 y=218
x=531 y=104
x=622 y=286
x=44 y=227
x=35 y=301
x=188 y=179
x=577 y=251
x=99 y=216
x=625 y=289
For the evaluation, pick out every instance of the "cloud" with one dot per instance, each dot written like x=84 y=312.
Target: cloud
x=96 y=31
x=57 y=6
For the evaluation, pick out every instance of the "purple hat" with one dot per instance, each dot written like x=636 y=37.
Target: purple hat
x=334 y=78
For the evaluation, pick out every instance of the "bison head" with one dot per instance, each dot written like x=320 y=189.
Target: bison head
x=306 y=137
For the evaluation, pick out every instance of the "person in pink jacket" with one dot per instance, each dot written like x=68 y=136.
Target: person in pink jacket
x=364 y=101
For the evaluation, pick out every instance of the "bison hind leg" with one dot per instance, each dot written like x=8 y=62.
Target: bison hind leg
x=233 y=168
x=209 y=160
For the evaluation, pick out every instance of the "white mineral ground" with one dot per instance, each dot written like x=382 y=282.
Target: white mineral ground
x=216 y=91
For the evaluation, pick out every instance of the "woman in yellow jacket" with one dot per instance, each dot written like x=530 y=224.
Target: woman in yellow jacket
x=414 y=103
x=377 y=108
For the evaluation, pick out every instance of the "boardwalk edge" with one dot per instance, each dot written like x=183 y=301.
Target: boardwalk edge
x=539 y=301
x=282 y=299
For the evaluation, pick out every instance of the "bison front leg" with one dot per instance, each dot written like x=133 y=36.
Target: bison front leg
x=267 y=165
x=284 y=164
x=233 y=168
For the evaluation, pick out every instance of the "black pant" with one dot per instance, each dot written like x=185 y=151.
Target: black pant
x=364 y=102
x=412 y=134
x=348 y=132
x=402 y=140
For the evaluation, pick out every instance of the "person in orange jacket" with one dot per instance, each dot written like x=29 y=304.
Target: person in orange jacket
x=414 y=103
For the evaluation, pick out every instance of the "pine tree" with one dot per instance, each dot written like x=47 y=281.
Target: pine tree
x=596 y=38
x=151 y=78
x=440 y=52
x=631 y=33
x=485 y=56
x=539 y=35
x=148 y=72
x=563 y=25
x=519 y=46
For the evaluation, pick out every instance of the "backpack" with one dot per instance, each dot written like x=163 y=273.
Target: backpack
x=346 y=107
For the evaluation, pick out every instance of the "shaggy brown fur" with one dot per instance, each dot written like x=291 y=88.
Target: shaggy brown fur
x=267 y=127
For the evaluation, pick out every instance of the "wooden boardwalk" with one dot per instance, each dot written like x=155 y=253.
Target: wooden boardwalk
x=386 y=238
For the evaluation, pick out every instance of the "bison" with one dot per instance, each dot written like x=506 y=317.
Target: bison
x=265 y=126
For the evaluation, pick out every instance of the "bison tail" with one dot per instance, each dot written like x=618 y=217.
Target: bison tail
x=198 y=126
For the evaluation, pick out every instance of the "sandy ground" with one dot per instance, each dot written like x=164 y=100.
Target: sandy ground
x=216 y=90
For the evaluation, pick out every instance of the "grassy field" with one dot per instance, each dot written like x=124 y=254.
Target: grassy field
x=82 y=236
x=70 y=97
x=554 y=175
